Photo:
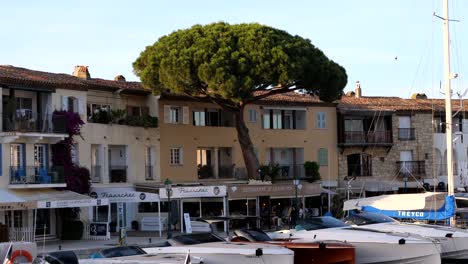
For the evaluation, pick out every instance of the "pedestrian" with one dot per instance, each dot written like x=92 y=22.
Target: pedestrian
x=293 y=218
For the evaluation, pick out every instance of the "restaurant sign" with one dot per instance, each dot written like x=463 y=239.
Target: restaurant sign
x=72 y=203
x=274 y=190
x=124 y=196
x=193 y=192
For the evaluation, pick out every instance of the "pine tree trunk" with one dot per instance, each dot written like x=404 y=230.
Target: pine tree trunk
x=247 y=147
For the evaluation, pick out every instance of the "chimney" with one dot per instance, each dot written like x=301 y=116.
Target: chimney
x=358 y=90
x=419 y=96
x=81 y=72
x=119 y=78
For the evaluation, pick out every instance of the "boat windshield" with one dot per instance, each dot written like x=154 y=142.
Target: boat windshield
x=194 y=239
x=315 y=223
x=365 y=218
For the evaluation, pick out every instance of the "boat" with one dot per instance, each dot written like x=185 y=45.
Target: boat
x=325 y=252
x=371 y=246
x=205 y=247
x=453 y=241
x=214 y=249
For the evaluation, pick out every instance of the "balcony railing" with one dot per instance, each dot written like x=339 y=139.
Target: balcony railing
x=29 y=124
x=411 y=168
x=406 y=134
x=96 y=174
x=367 y=137
x=291 y=171
x=205 y=172
x=226 y=172
x=118 y=173
x=149 y=173
x=36 y=175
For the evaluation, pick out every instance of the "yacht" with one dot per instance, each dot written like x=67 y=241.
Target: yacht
x=371 y=246
x=207 y=248
x=453 y=241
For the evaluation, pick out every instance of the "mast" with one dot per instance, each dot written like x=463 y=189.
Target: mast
x=448 y=104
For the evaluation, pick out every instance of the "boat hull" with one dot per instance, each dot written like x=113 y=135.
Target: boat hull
x=367 y=253
x=455 y=248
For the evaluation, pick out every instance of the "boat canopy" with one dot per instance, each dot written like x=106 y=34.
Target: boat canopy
x=420 y=206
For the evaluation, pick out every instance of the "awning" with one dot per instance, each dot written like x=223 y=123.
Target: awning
x=119 y=195
x=273 y=190
x=413 y=201
x=45 y=198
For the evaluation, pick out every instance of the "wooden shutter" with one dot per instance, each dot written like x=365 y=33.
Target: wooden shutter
x=167 y=112
x=185 y=115
x=181 y=156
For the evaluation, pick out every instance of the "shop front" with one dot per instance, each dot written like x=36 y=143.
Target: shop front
x=123 y=207
x=197 y=201
x=36 y=214
x=268 y=206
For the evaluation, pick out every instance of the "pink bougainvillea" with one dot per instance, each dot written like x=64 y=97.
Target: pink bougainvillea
x=77 y=178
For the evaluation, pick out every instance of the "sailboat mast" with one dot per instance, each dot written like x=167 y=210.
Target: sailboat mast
x=448 y=104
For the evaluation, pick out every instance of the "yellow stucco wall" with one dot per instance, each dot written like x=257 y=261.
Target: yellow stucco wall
x=189 y=137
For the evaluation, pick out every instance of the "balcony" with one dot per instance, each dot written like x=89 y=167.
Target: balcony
x=96 y=174
x=290 y=172
x=149 y=173
x=362 y=138
x=117 y=173
x=406 y=134
x=36 y=177
x=28 y=124
x=411 y=168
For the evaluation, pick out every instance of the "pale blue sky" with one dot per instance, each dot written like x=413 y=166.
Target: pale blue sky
x=364 y=36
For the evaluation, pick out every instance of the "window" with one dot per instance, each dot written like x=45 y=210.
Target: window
x=321 y=120
x=14 y=218
x=277 y=119
x=95 y=108
x=323 y=157
x=252 y=115
x=176 y=156
x=266 y=120
x=150 y=207
x=17 y=155
x=40 y=156
x=359 y=164
x=148 y=164
x=174 y=115
x=74 y=154
x=199 y=118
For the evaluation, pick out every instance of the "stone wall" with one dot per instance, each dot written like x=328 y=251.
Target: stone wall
x=384 y=159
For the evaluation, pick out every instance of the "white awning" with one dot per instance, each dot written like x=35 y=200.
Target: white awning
x=45 y=198
x=413 y=201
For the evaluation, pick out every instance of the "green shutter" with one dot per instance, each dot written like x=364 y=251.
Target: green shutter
x=323 y=157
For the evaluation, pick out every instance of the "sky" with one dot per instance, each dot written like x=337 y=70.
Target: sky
x=393 y=48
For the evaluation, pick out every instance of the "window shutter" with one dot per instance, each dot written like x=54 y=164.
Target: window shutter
x=64 y=103
x=46 y=150
x=23 y=154
x=181 y=156
x=324 y=124
x=167 y=112
x=185 y=115
x=145 y=111
x=81 y=106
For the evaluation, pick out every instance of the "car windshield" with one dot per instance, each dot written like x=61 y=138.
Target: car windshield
x=365 y=218
x=193 y=239
x=315 y=223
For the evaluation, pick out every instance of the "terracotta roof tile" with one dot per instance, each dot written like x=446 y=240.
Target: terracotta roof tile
x=370 y=103
x=16 y=76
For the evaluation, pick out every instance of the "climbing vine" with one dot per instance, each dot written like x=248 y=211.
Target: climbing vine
x=76 y=177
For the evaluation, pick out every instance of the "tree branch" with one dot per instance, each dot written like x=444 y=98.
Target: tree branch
x=273 y=92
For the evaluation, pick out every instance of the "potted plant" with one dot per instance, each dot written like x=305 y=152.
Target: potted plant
x=312 y=171
x=205 y=171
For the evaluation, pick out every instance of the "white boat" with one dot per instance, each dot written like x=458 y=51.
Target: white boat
x=206 y=248
x=371 y=246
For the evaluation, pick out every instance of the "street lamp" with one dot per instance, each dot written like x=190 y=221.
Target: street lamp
x=168 y=186
x=296 y=184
